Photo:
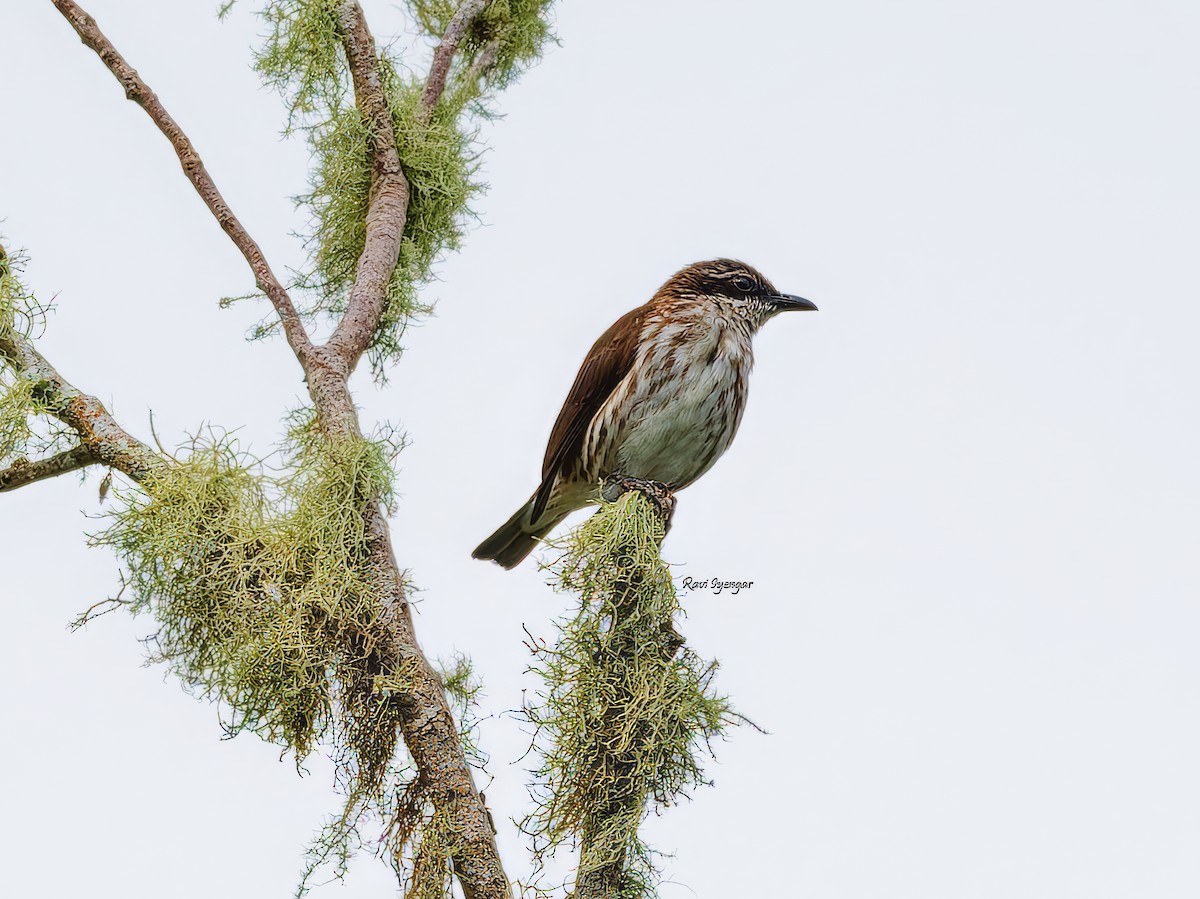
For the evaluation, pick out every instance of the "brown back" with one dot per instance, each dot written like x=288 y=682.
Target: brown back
x=606 y=364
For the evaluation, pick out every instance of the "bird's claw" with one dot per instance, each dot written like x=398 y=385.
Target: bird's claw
x=660 y=496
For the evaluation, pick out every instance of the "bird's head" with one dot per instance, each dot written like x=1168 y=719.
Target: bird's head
x=739 y=290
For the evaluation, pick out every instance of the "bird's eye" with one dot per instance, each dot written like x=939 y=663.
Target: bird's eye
x=744 y=284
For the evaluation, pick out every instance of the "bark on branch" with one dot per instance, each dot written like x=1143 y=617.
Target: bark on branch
x=387 y=209
x=428 y=726
x=443 y=56
x=139 y=92
x=23 y=471
x=99 y=433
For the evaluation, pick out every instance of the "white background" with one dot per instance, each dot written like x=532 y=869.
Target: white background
x=966 y=490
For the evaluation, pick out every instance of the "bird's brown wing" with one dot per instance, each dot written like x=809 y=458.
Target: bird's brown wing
x=607 y=362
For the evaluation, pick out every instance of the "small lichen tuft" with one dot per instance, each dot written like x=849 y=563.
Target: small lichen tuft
x=28 y=430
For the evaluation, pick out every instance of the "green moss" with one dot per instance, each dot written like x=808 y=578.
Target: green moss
x=627 y=711
x=16 y=408
x=258 y=585
x=440 y=169
x=27 y=429
x=423 y=863
x=502 y=42
x=263 y=600
x=515 y=32
x=302 y=57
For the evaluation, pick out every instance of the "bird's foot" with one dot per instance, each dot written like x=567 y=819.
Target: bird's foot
x=660 y=496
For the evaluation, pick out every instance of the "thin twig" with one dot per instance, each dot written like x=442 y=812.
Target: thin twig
x=23 y=471
x=111 y=604
x=139 y=92
x=443 y=56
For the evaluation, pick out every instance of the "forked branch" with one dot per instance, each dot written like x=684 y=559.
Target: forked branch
x=429 y=727
x=99 y=434
x=387 y=210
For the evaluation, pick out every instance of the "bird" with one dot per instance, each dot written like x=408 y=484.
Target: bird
x=658 y=398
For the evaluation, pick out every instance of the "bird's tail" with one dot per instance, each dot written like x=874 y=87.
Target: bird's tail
x=516 y=538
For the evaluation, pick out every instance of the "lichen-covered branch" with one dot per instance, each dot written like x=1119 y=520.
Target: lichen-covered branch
x=443 y=56
x=387 y=210
x=428 y=725
x=100 y=436
x=139 y=92
x=24 y=471
x=627 y=709
x=271 y=567
x=429 y=728
x=463 y=838
x=97 y=429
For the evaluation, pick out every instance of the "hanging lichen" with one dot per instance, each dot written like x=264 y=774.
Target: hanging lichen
x=263 y=601
x=302 y=58
x=257 y=575
x=627 y=710
x=28 y=430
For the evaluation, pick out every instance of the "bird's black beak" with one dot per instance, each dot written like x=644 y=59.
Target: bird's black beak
x=786 y=302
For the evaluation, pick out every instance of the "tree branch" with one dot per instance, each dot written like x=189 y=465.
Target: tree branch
x=432 y=737
x=428 y=725
x=429 y=728
x=23 y=471
x=387 y=210
x=139 y=92
x=99 y=433
x=648 y=701
x=443 y=56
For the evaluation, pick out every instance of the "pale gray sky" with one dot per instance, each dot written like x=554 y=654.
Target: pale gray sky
x=966 y=489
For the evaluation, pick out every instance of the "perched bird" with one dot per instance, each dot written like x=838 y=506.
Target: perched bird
x=658 y=398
